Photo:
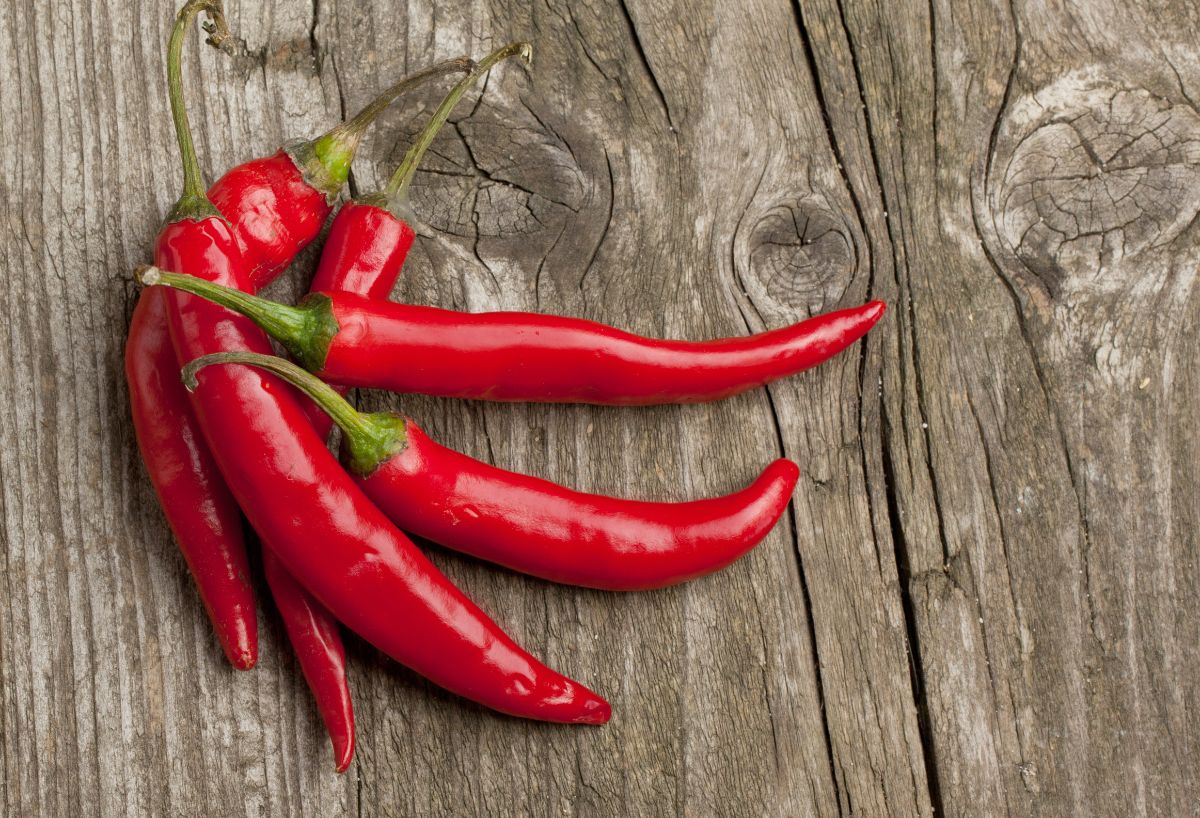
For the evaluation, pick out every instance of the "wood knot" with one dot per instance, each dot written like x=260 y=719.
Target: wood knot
x=801 y=253
x=1092 y=174
x=499 y=174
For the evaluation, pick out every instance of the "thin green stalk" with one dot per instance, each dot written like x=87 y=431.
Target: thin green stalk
x=334 y=151
x=371 y=439
x=398 y=185
x=193 y=203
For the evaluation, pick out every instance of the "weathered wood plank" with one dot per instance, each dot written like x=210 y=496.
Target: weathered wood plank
x=1032 y=166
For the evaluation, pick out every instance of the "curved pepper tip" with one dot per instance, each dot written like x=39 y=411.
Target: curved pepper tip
x=874 y=310
x=239 y=636
x=343 y=754
x=242 y=657
x=787 y=471
x=595 y=710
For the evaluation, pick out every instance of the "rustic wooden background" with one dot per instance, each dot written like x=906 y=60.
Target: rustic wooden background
x=985 y=598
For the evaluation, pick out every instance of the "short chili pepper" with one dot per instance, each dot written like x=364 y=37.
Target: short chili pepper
x=371 y=234
x=511 y=356
x=202 y=513
x=278 y=204
x=531 y=525
x=340 y=546
x=317 y=642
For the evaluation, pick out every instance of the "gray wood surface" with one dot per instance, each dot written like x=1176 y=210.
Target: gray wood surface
x=984 y=600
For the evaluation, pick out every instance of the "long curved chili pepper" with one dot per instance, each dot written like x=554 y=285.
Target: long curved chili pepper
x=202 y=513
x=278 y=204
x=511 y=356
x=317 y=642
x=531 y=525
x=312 y=630
x=341 y=547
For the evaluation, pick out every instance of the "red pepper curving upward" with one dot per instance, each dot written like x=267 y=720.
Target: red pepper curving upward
x=531 y=525
x=511 y=356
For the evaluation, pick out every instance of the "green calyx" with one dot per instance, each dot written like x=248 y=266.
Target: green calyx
x=193 y=203
x=393 y=198
x=305 y=330
x=325 y=161
x=369 y=439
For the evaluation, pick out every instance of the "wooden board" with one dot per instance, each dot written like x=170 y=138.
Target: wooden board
x=984 y=600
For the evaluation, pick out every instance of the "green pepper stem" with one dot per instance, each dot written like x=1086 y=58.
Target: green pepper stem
x=193 y=203
x=370 y=439
x=326 y=160
x=397 y=189
x=304 y=330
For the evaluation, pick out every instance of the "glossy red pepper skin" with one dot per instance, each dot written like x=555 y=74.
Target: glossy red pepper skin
x=510 y=356
x=275 y=213
x=540 y=528
x=364 y=252
x=202 y=513
x=341 y=547
x=530 y=525
x=317 y=643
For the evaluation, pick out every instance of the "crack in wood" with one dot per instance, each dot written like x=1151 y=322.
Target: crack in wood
x=646 y=66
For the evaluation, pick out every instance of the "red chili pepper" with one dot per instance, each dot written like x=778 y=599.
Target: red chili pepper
x=531 y=525
x=278 y=204
x=317 y=642
x=516 y=356
x=511 y=356
x=202 y=513
x=371 y=235
x=341 y=547
x=313 y=631
x=209 y=532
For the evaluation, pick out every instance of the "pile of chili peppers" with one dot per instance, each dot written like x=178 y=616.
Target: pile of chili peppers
x=249 y=436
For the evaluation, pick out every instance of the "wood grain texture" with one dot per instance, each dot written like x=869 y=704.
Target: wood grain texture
x=984 y=600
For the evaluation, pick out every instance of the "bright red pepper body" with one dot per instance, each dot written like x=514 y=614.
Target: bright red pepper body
x=317 y=641
x=364 y=252
x=341 y=547
x=200 y=509
x=275 y=213
x=526 y=357
x=202 y=513
x=541 y=528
